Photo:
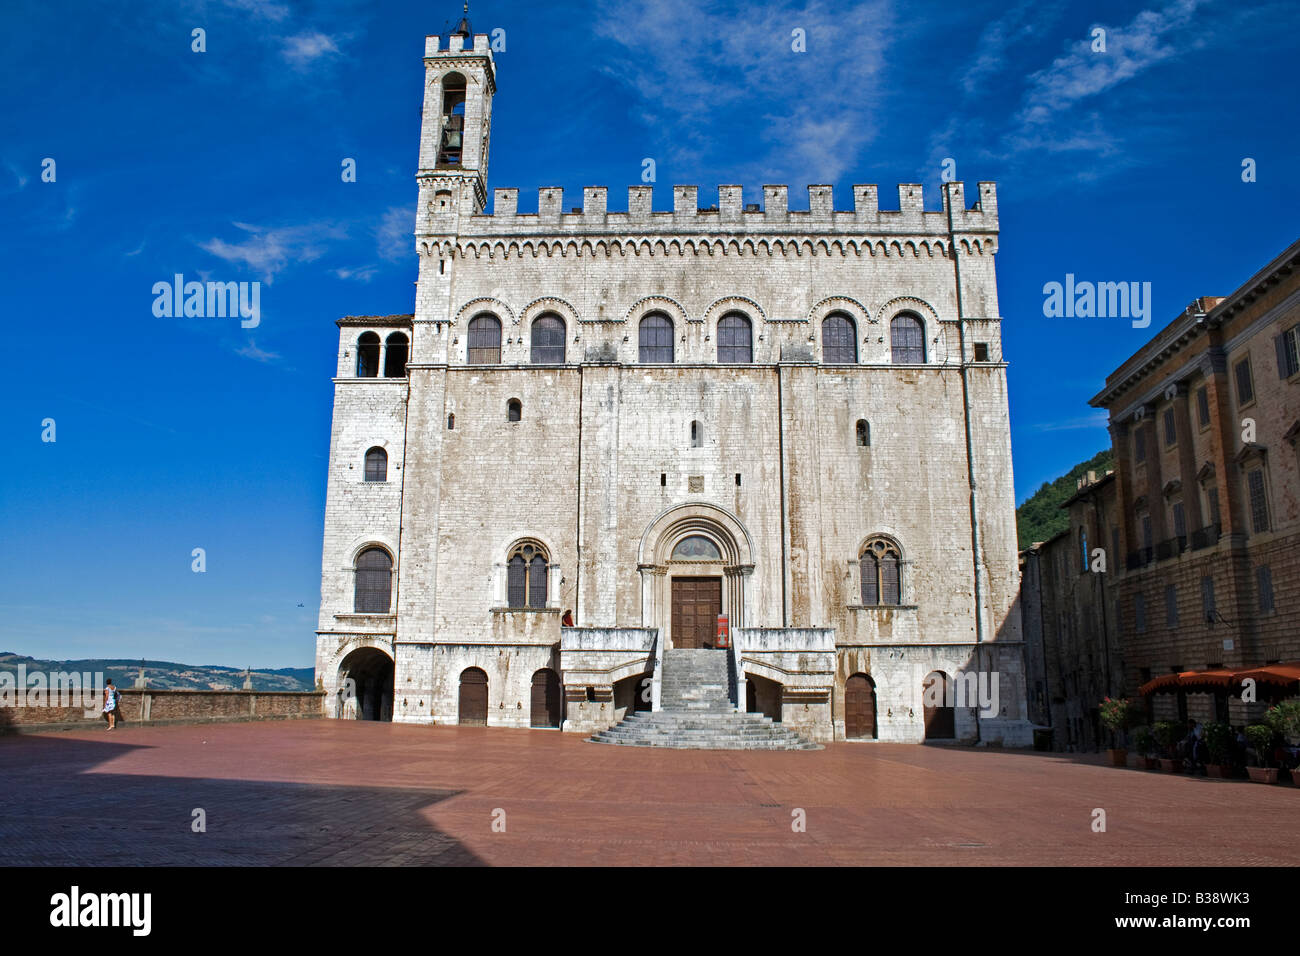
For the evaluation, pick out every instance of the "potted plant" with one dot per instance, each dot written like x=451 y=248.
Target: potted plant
x=1144 y=742
x=1261 y=739
x=1116 y=714
x=1218 y=744
x=1166 y=732
x=1285 y=719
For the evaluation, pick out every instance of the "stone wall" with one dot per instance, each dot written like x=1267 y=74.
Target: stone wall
x=152 y=707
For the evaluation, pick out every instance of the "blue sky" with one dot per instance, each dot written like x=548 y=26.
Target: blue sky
x=181 y=433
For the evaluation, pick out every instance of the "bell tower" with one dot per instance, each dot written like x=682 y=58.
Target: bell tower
x=459 y=83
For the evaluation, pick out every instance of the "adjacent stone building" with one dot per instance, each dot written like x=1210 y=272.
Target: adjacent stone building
x=601 y=431
x=1200 y=522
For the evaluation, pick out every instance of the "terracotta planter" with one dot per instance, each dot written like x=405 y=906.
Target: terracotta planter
x=1263 y=774
x=1149 y=763
x=1222 y=771
x=1171 y=766
x=1118 y=758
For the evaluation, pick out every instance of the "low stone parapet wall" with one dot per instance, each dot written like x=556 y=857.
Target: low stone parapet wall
x=154 y=707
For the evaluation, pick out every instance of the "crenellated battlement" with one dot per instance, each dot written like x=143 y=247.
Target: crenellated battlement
x=456 y=44
x=731 y=213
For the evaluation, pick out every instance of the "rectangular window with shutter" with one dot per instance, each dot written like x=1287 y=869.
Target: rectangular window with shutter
x=1258 y=500
x=1140 y=445
x=1245 y=384
x=1139 y=613
x=1288 y=352
x=1264 y=584
x=1171 y=435
x=1171 y=606
x=1212 y=497
x=1207 y=599
x=1203 y=407
x=1180 y=520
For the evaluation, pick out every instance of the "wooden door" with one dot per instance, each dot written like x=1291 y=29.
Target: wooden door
x=473 y=697
x=941 y=719
x=859 y=708
x=697 y=602
x=546 y=699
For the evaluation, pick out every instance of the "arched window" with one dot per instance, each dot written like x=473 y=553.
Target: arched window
x=526 y=573
x=368 y=355
x=907 y=340
x=484 y=335
x=376 y=465
x=453 y=120
x=656 y=339
x=735 y=339
x=548 y=340
x=396 y=354
x=374 y=584
x=451 y=422
x=514 y=410
x=839 y=340
x=882 y=576
x=864 y=433
x=697 y=435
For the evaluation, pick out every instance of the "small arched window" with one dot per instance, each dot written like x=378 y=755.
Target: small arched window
x=374 y=582
x=882 y=576
x=368 y=355
x=451 y=422
x=396 y=354
x=548 y=340
x=697 y=435
x=735 y=339
x=514 y=410
x=526 y=573
x=484 y=337
x=453 y=120
x=839 y=340
x=656 y=339
x=864 y=433
x=376 y=465
x=907 y=340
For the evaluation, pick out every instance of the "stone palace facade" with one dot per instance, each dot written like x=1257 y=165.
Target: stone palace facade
x=602 y=430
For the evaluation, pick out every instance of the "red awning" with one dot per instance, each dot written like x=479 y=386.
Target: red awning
x=1273 y=674
x=1221 y=679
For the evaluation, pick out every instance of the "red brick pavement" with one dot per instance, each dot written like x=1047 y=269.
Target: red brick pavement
x=356 y=793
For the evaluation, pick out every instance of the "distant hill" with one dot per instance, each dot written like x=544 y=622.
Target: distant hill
x=1041 y=517
x=168 y=675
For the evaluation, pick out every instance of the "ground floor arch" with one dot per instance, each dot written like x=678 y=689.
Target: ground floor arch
x=860 y=708
x=547 y=699
x=365 y=685
x=763 y=696
x=937 y=703
x=473 y=701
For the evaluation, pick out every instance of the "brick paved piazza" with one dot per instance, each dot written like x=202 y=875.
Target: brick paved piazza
x=353 y=793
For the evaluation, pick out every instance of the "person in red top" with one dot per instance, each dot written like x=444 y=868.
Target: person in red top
x=567 y=620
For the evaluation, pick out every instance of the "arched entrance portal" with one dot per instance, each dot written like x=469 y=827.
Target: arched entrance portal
x=365 y=682
x=473 y=697
x=546 y=699
x=937 y=700
x=860 y=708
x=695 y=561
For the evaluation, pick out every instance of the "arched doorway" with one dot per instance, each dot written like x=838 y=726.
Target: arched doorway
x=365 y=682
x=937 y=701
x=860 y=708
x=546 y=699
x=473 y=697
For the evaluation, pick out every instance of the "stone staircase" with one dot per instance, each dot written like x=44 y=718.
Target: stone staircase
x=698 y=714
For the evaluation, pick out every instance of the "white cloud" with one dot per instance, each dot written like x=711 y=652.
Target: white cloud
x=303 y=49
x=1096 y=420
x=269 y=251
x=257 y=355
x=691 y=66
x=264 y=9
x=394 y=233
x=360 y=273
